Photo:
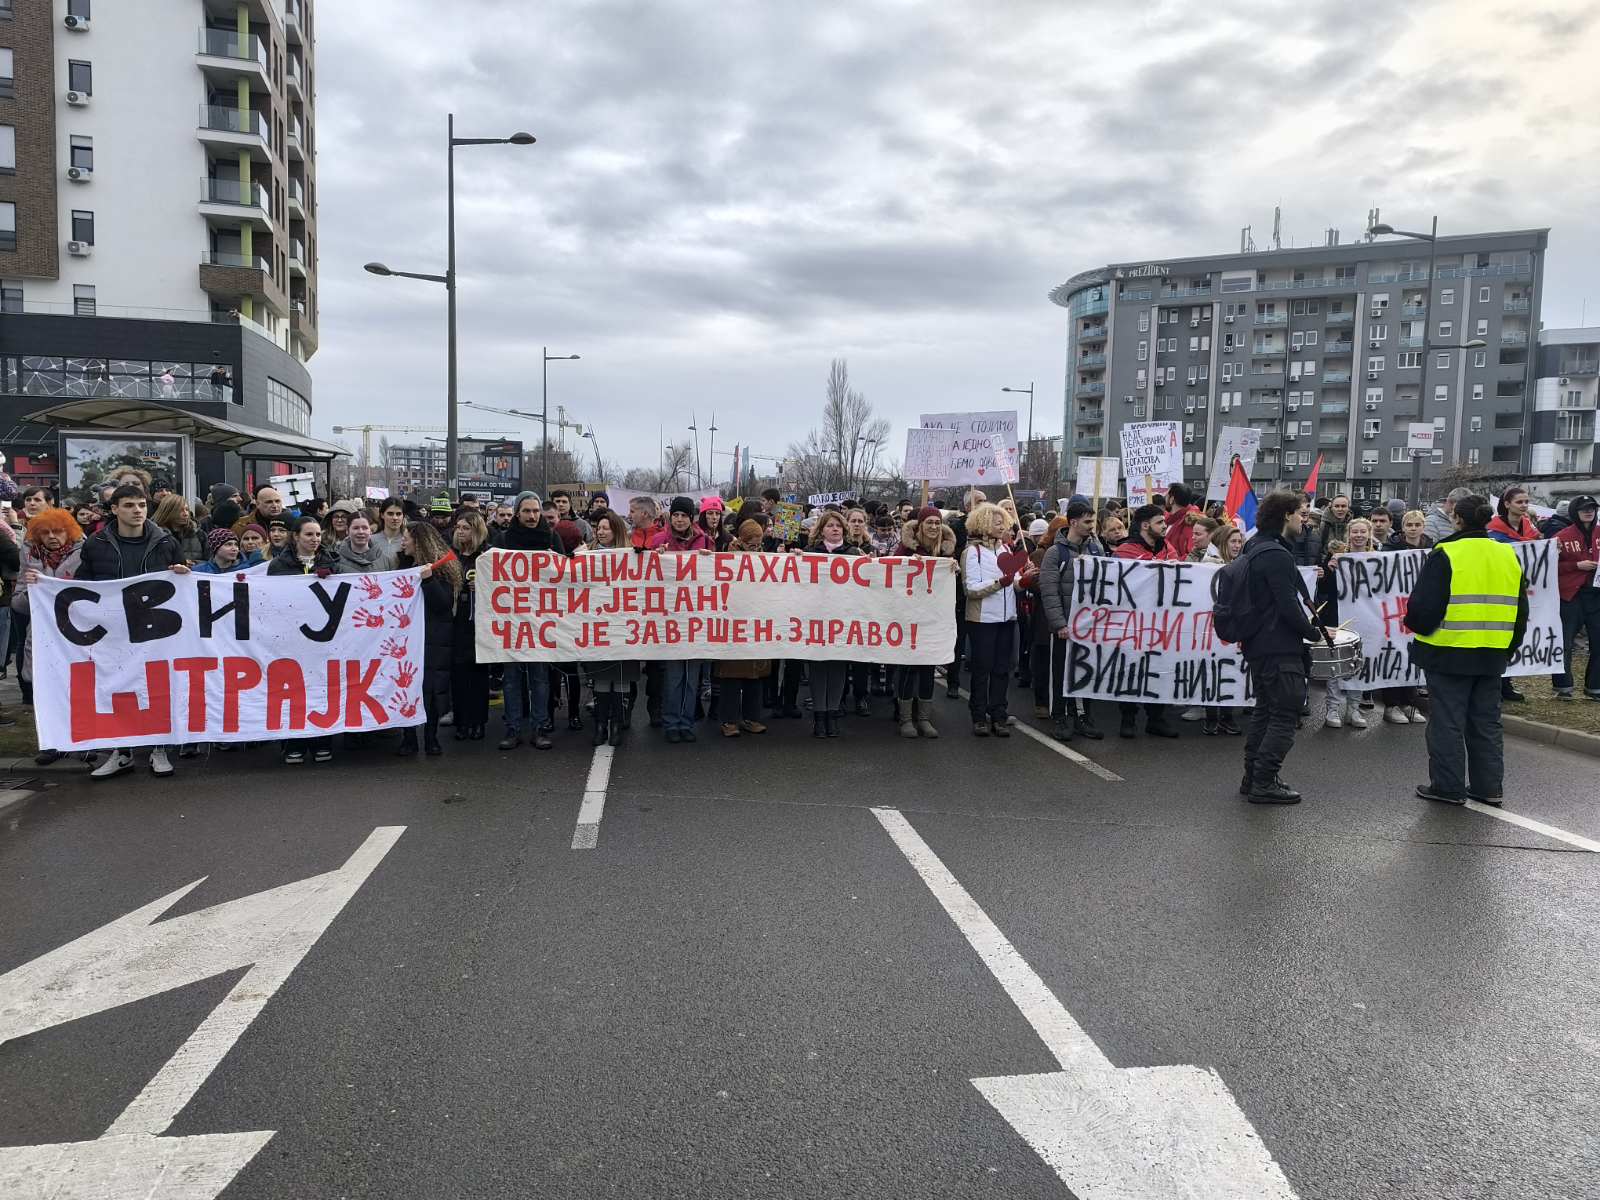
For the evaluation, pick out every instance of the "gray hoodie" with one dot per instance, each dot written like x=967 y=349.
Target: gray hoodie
x=359 y=562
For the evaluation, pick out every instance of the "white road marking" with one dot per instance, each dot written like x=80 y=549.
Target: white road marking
x=1147 y=1133
x=586 y=836
x=1549 y=831
x=136 y=956
x=1049 y=743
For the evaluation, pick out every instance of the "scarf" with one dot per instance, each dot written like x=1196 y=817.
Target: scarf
x=831 y=544
x=51 y=559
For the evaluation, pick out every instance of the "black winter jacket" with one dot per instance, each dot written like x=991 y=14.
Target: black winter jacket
x=108 y=556
x=1425 y=612
x=287 y=562
x=1276 y=587
x=1055 y=577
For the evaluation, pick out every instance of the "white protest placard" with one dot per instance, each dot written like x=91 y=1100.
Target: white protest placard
x=1097 y=477
x=166 y=658
x=982 y=446
x=377 y=493
x=1152 y=458
x=1374 y=590
x=821 y=498
x=296 y=489
x=927 y=455
x=537 y=606
x=1241 y=442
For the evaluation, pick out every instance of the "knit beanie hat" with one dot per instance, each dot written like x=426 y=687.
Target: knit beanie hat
x=684 y=505
x=218 y=538
x=711 y=504
x=930 y=511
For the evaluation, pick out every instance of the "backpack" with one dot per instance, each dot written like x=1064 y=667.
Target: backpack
x=1234 y=614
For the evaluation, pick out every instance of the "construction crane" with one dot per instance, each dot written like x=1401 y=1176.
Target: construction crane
x=561 y=423
x=366 y=432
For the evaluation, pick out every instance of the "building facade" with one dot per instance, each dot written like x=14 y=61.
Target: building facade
x=1564 y=434
x=157 y=208
x=1332 y=350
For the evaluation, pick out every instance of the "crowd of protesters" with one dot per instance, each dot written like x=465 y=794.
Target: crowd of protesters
x=1014 y=581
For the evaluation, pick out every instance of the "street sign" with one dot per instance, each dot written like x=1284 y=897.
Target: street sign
x=1419 y=435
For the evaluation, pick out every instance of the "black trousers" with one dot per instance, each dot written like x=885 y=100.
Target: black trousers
x=1279 y=683
x=469 y=694
x=913 y=683
x=992 y=647
x=1581 y=612
x=739 y=700
x=1466 y=741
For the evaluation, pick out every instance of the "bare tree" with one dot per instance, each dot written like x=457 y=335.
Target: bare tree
x=846 y=450
x=675 y=471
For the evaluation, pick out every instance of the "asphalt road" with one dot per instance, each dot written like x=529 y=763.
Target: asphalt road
x=746 y=989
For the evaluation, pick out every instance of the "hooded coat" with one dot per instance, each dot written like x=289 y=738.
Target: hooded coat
x=1574 y=544
x=105 y=555
x=360 y=562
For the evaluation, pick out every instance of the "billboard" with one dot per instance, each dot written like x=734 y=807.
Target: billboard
x=490 y=470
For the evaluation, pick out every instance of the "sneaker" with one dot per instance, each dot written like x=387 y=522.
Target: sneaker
x=295 y=757
x=1492 y=799
x=1334 y=719
x=1276 y=792
x=999 y=729
x=1353 y=717
x=980 y=729
x=116 y=763
x=448 y=719
x=1197 y=713
x=322 y=756
x=541 y=741
x=752 y=726
x=1395 y=715
x=1510 y=693
x=1415 y=717
x=1564 y=694
x=729 y=729
x=160 y=764
x=510 y=742
x=1428 y=792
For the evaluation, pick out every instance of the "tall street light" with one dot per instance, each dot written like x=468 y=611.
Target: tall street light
x=1416 y=455
x=1029 y=391
x=544 y=420
x=1432 y=238
x=449 y=276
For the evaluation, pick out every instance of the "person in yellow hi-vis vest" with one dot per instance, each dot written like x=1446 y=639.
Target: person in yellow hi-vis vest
x=1468 y=611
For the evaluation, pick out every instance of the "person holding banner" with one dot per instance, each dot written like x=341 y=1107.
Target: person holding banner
x=1469 y=609
x=828 y=678
x=527 y=684
x=1074 y=538
x=1344 y=697
x=1147 y=540
x=422 y=547
x=927 y=536
x=1578 y=550
x=741 y=681
x=1400 y=703
x=991 y=617
x=613 y=681
x=1183 y=510
x=53 y=546
x=469 y=680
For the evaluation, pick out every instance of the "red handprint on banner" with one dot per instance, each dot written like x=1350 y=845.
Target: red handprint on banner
x=404 y=675
x=394 y=649
x=362 y=619
x=404 y=589
x=371 y=587
x=407 y=708
x=400 y=617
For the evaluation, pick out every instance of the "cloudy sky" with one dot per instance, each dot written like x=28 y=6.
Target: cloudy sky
x=725 y=196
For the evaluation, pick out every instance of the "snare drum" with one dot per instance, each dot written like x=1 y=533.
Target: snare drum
x=1342 y=660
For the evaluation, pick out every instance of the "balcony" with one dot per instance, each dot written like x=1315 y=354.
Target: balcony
x=1091 y=362
x=1171 y=293
x=302 y=326
x=1336 y=377
x=1338 y=346
x=1417 y=311
x=1089 y=416
x=1514 y=306
x=226 y=129
x=292 y=21
x=297 y=258
x=1092 y=333
x=1580 y=367
x=1513 y=337
x=226 y=57
x=296 y=140
x=294 y=78
x=1092 y=446
x=1266 y=348
x=1332 y=439
x=1272 y=318
x=1268 y=369
x=229 y=203
x=1411 y=343
x=1401 y=277
x=1336 y=408
x=1090 y=389
x=1269 y=439
x=1579 y=432
x=229 y=277
x=1339 y=318
x=297 y=199
x=1091 y=308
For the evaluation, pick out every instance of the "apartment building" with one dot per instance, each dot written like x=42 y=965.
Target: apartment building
x=158 y=230
x=1564 y=433
x=1332 y=350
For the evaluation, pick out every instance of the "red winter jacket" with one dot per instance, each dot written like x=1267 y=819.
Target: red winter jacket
x=1180 y=532
x=1136 y=548
x=1528 y=533
x=1574 y=545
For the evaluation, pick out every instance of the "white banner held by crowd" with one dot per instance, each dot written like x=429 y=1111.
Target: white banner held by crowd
x=535 y=606
x=1152 y=458
x=821 y=498
x=167 y=659
x=982 y=446
x=1233 y=442
x=1374 y=590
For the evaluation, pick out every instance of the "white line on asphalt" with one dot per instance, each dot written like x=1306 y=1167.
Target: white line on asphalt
x=1049 y=743
x=587 y=834
x=1142 y=1133
x=1549 y=831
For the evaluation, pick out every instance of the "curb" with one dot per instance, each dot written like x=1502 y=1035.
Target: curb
x=1552 y=735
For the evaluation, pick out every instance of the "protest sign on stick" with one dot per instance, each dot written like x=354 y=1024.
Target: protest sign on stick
x=982 y=446
x=1096 y=477
x=537 y=606
x=168 y=659
x=1233 y=442
x=927 y=456
x=1152 y=458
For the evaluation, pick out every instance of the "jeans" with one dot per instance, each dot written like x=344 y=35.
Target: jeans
x=1466 y=741
x=1581 y=612
x=991 y=647
x=527 y=696
x=827 y=686
x=680 y=688
x=1279 y=682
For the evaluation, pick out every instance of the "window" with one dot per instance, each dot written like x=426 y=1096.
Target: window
x=5 y=10
x=1442 y=362
x=10 y=299
x=1372 y=427
x=83 y=300
x=1172 y=374
x=1574 y=399
x=1378 y=333
x=285 y=406
x=1441 y=393
x=82 y=226
x=1205 y=341
x=1144 y=351
x=1480 y=358
x=1472 y=456
x=1375 y=363
x=1194 y=345
x=1205 y=371
x=1398 y=454
x=1192 y=376
x=1139 y=379
x=1369 y=458
x=78 y=8
x=7 y=84
x=1374 y=395
x=1447 y=296
x=1477 y=391
x=8 y=225
x=80 y=77
x=1311 y=337
x=82 y=152
x=8 y=150
x=1475 y=425
x=1483 y=294
x=1408 y=358
x=1483 y=326
x=1144 y=322
x=1447 y=329
x=1438 y=426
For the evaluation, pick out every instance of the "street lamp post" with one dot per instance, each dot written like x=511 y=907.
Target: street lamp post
x=449 y=276
x=544 y=419
x=1432 y=238
x=1416 y=456
x=1029 y=391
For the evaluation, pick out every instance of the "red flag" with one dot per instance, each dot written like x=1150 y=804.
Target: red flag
x=1238 y=489
x=1311 y=479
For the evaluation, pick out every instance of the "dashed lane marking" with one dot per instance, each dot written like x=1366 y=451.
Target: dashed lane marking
x=586 y=836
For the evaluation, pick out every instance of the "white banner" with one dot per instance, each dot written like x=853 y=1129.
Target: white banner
x=1152 y=458
x=1097 y=478
x=536 y=606
x=1233 y=442
x=167 y=659
x=1375 y=588
x=1141 y=631
x=982 y=446
x=821 y=498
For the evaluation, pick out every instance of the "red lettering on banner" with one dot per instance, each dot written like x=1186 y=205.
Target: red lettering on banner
x=329 y=716
x=674 y=634
x=860 y=571
x=633 y=633
x=651 y=636
x=358 y=693
x=655 y=601
x=789 y=569
x=893 y=635
x=577 y=600
x=854 y=636
x=238 y=675
x=874 y=634
x=816 y=632
x=835 y=630
x=501 y=632
x=724 y=566
x=688 y=566
x=770 y=566
x=913 y=635
x=763 y=631
x=497 y=597
x=796 y=629
x=622 y=599
x=717 y=631
x=126 y=718
x=839 y=569
x=196 y=669
x=1393 y=611
x=286 y=686
x=549 y=603
x=711 y=599
x=499 y=567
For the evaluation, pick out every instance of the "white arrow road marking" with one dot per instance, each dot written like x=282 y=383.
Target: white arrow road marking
x=134 y=957
x=586 y=835
x=1144 y=1133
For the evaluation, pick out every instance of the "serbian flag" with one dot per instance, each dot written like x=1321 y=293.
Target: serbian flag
x=1311 y=479
x=1240 y=502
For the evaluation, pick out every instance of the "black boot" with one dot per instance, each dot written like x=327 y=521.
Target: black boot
x=1060 y=729
x=618 y=724
x=1209 y=725
x=603 y=702
x=1130 y=724
x=430 y=741
x=831 y=723
x=818 y=726
x=408 y=744
x=1083 y=725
